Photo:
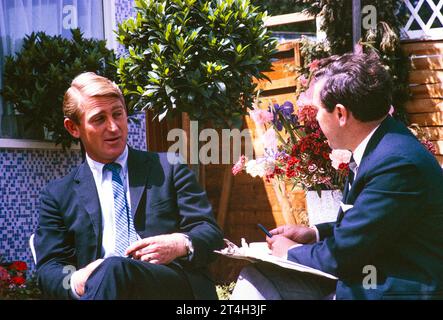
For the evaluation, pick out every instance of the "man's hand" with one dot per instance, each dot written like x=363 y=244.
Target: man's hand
x=280 y=245
x=80 y=277
x=159 y=249
x=297 y=233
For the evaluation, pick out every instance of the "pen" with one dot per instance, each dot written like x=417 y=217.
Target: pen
x=264 y=230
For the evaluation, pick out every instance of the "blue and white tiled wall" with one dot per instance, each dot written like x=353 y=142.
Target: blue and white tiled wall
x=23 y=174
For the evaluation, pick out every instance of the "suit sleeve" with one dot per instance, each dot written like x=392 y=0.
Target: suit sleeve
x=196 y=217
x=325 y=230
x=388 y=205
x=54 y=254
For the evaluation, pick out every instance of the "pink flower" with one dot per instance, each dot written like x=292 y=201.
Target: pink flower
x=261 y=117
x=340 y=156
x=307 y=113
x=4 y=275
x=240 y=165
x=312 y=168
x=303 y=81
x=314 y=65
x=303 y=100
x=269 y=140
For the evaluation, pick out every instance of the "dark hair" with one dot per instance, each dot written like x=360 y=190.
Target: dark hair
x=357 y=81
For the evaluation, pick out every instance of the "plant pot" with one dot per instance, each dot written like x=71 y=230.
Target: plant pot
x=325 y=208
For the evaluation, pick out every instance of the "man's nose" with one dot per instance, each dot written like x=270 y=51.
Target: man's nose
x=112 y=125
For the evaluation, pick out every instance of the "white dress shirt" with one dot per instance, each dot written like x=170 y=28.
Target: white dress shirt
x=103 y=182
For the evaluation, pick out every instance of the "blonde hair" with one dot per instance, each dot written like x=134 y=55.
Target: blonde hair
x=84 y=86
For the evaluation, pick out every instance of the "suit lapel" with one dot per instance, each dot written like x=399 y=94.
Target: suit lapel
x=366 y=159
x=87 y=192
x=138 y=171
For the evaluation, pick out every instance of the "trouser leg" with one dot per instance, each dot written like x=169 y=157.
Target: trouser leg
x=123 y=278
x=270 y=282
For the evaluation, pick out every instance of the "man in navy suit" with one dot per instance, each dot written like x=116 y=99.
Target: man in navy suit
x=125 y=224
x=387 y=242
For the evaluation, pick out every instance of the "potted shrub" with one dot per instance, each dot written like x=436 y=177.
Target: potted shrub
x=36 y=78
x=194 y=56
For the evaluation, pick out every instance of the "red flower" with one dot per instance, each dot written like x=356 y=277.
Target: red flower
x=343 y=166
x=429 y=146
x=18 y=280
x=18 y=266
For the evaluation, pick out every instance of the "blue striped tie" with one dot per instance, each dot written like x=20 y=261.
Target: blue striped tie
x=125 y=232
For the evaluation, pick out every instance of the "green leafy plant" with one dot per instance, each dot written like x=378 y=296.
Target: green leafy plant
x=37 y=77
x=194 y=56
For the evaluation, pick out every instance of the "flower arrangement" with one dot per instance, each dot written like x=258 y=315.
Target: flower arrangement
x=14 y=284
x=295 y=148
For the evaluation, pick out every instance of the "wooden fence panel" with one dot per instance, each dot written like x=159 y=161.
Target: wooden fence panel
x=427 y=62
x=425 y=76
x=424 y=105
x=426 y=84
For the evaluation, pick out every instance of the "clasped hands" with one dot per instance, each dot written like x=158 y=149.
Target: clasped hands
x=161 y=249
x=286 y=236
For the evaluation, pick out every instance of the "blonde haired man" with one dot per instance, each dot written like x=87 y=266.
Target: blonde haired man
x=132 y=224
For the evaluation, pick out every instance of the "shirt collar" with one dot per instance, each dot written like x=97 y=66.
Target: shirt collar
x=97 y=167
x=359 y=151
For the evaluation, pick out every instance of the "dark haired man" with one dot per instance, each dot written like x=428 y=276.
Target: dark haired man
x=387 y=242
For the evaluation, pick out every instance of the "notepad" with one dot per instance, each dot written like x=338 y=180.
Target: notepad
x=259 y=251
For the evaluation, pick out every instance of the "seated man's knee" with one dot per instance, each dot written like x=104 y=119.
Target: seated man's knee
x=114 y=263
x=113 y=268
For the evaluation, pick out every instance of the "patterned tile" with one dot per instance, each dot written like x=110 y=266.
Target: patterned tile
x=123 y=10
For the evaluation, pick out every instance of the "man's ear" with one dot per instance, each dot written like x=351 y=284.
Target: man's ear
x=72 y=128
x=342 y=114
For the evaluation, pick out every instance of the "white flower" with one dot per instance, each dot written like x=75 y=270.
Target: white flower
x=256 y=168
x=339 y=156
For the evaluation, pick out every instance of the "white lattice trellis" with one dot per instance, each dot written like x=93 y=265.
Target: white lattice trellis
x=425 y=19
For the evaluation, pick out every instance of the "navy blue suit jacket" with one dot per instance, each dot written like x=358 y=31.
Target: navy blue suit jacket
x=165 y=198
x=395 y=225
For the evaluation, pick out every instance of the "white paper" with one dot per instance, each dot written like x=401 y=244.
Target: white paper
x=259 y=251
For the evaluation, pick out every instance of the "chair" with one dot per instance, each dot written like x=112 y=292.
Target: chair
x=31 y=245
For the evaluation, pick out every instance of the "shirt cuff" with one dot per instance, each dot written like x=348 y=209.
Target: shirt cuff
x=189 y=248
x=317 y=234
x=73 y=281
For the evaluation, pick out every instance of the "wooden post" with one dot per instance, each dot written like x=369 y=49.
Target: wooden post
x=224 y=197
x=356 y=26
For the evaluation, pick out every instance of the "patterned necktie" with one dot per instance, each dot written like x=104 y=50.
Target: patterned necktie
x=125 y=232
x=352 y=168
